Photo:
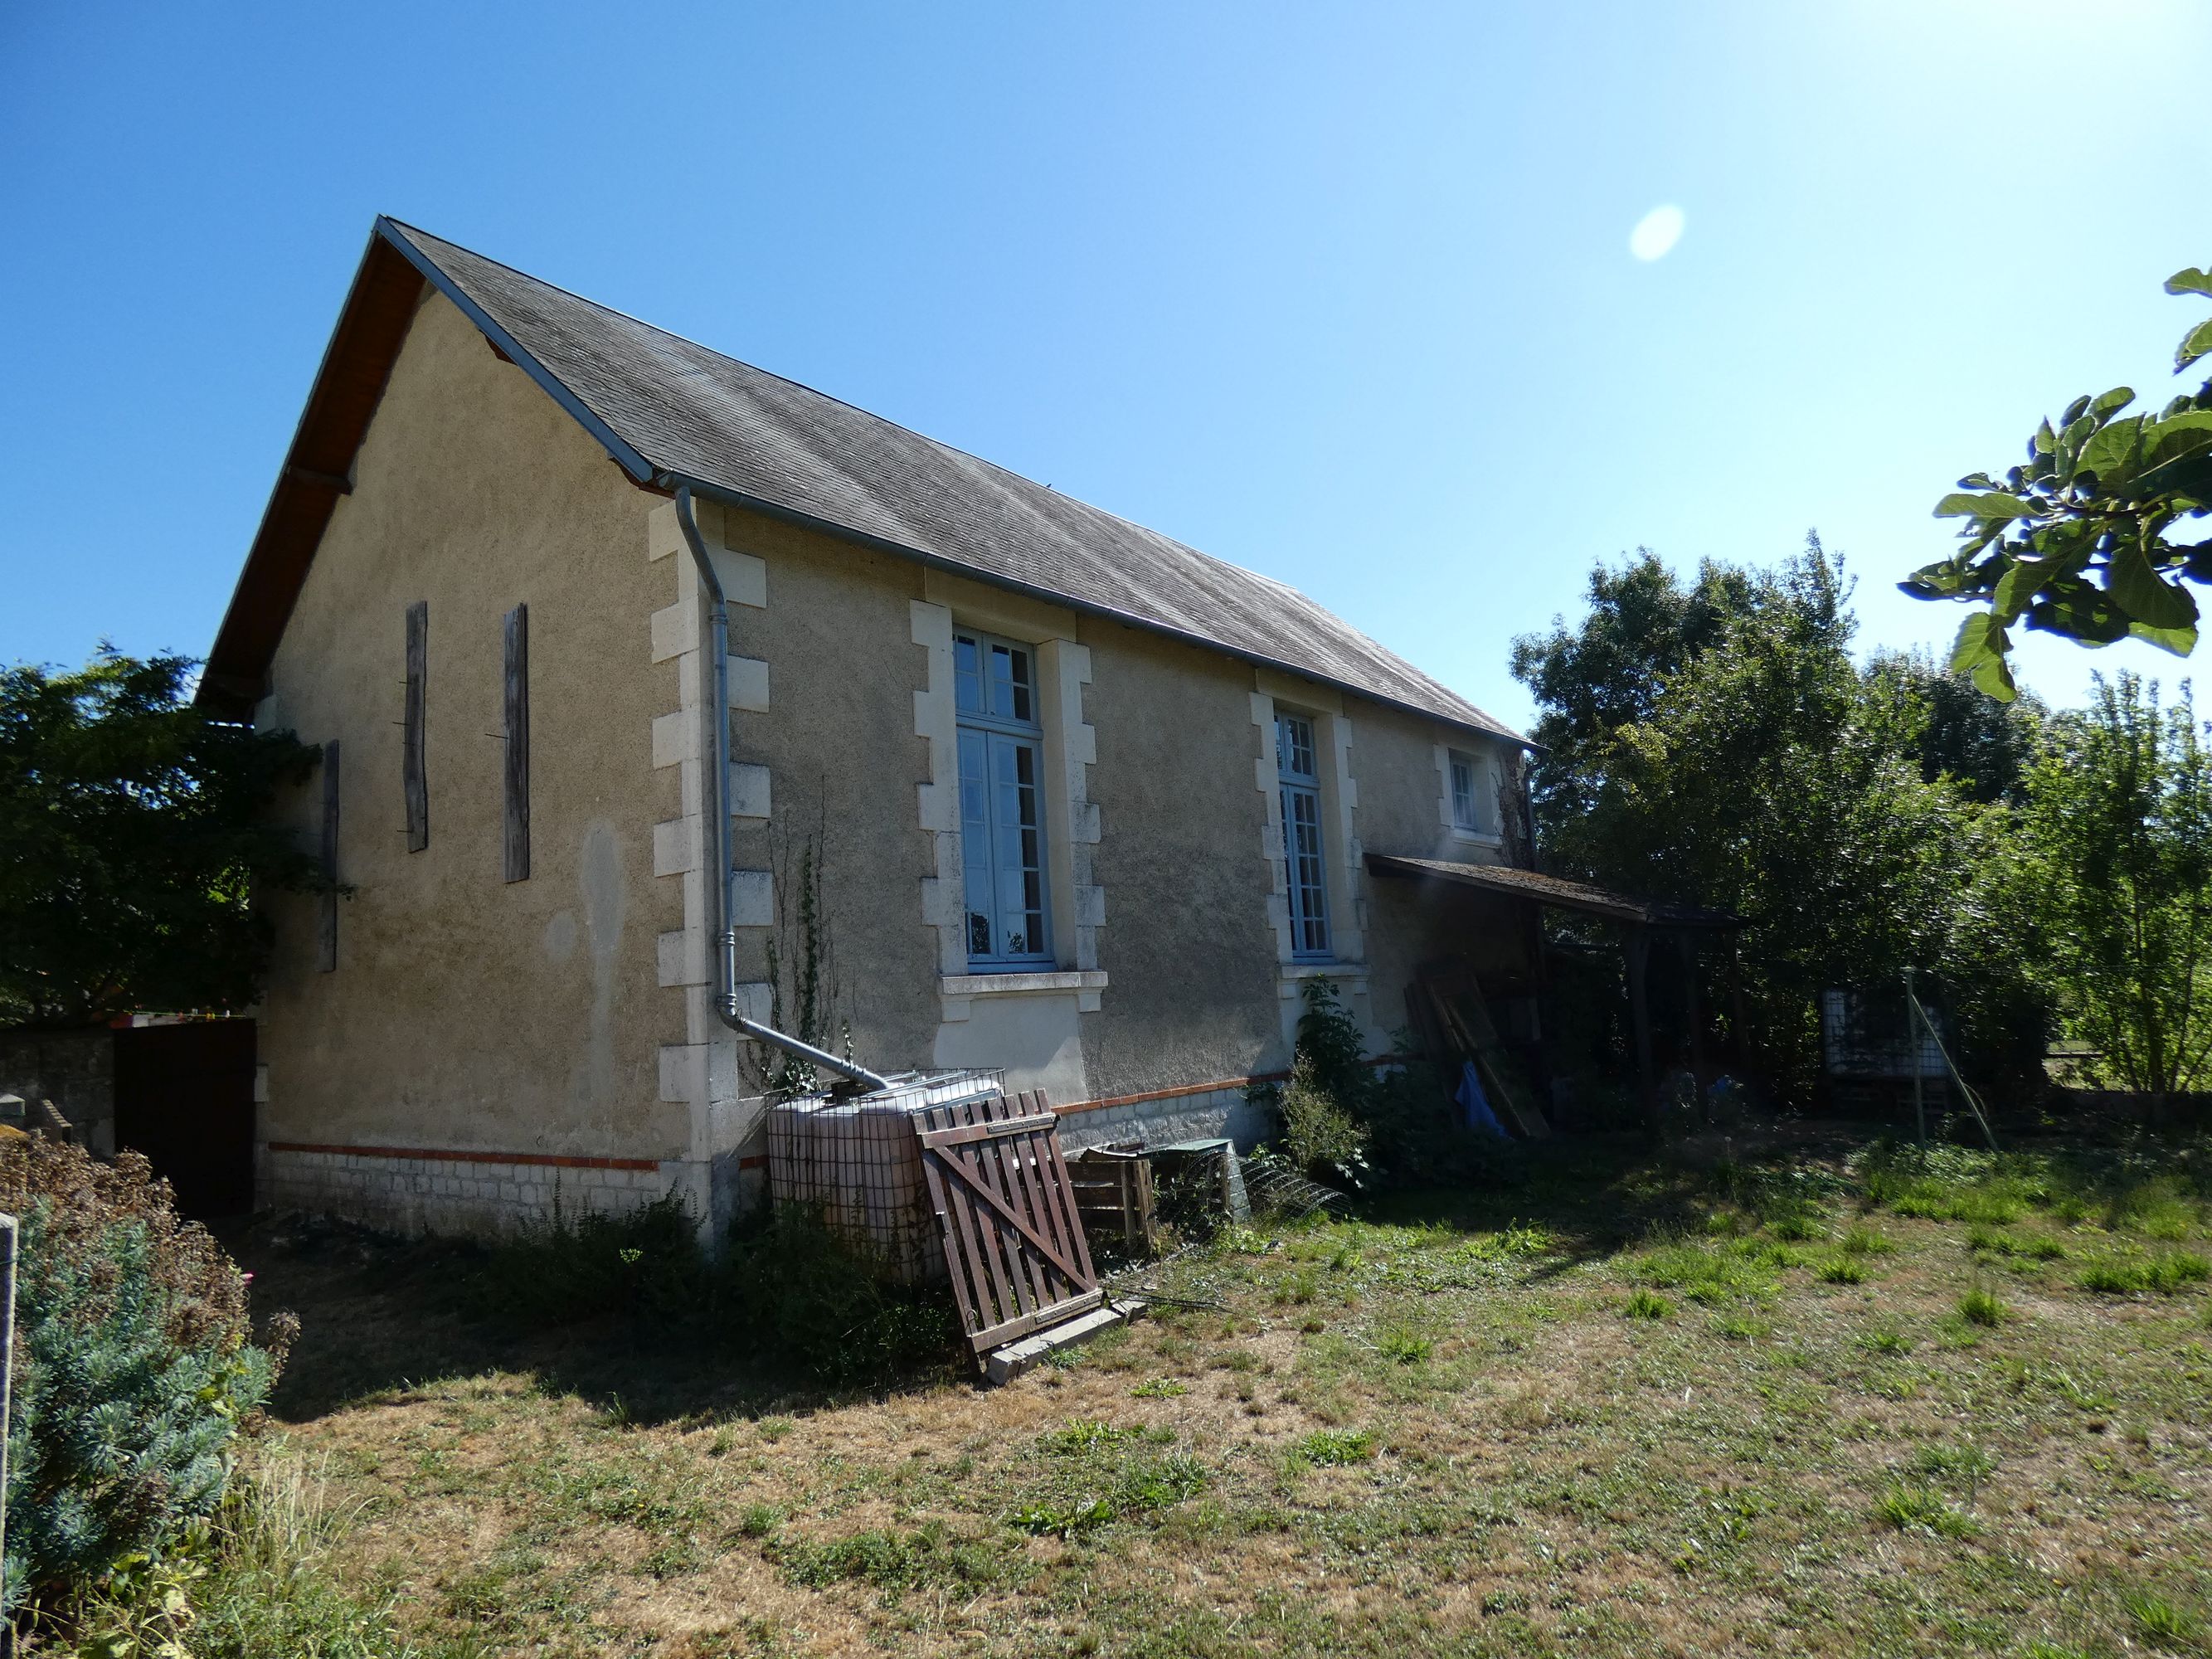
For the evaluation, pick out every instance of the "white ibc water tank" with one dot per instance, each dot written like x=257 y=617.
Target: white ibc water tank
x=856 y=1161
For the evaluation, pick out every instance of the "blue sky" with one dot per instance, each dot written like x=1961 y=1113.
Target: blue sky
x=1341 y=293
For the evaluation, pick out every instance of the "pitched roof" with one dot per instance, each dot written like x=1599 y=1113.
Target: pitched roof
x=671 y=411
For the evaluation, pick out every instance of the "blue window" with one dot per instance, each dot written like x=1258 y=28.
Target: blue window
x=1299 y=771
x=1001 y=802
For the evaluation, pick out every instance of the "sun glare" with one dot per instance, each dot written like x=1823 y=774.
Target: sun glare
x=1656 y=233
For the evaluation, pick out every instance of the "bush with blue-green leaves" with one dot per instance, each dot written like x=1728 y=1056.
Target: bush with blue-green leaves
x=136 y=1373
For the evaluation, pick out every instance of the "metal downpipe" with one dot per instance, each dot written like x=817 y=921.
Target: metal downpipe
x=718 y=822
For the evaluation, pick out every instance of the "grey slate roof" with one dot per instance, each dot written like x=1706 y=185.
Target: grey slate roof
x=679 y=409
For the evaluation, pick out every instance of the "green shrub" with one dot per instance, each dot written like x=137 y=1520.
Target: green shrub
x=786 y=1287
x=790 y=1281
x=645 y=1264
x=137 y=1374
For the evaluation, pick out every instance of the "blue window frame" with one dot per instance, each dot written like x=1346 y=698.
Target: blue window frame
x=1001 y=802
x=1297 y=769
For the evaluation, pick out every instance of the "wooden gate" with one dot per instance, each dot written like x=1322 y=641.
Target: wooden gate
x=1006 y=1207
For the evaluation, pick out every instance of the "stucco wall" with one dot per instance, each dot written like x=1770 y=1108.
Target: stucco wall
x=563 y=1021
x=467 y=1011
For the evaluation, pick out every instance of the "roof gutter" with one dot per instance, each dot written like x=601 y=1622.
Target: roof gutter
x=713 y=802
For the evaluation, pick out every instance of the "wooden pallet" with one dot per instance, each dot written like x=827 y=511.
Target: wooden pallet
x=1464 y=1020
x=1114 y=1197
x=1007 y=1208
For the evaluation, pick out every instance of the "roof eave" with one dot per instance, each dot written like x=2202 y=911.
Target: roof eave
x=667 y=480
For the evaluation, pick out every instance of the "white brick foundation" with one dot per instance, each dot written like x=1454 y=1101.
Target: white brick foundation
x=417 y=1191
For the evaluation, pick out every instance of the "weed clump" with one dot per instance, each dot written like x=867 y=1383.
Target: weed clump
x=1983 y=1307
x=1915 y=1509
x=1648 y=1304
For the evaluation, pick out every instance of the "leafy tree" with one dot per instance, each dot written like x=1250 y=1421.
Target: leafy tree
x=2099 y=494
x=2120 y=825
x=1985 y=745
x=1766 y=774
x=135 y=828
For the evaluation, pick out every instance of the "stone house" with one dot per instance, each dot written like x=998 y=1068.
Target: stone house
x=1023 y=784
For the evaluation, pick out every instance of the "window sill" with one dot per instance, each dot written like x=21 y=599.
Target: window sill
x=957 y=991
x=1018 y=980
x=1289 y=974
x=1476 y=838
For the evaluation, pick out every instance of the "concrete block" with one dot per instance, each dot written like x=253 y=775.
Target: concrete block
x=748 y=684
x=748 y=790
x=753 y=898
x=675 y=630
x=674 y=847
x=1003 y=1364
x=675 y=737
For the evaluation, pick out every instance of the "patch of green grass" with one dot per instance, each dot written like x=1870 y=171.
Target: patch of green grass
x=1888 y=1341
x=1859 y=1239
x=1403 y=1346
x=1733 y=1272
x=1159 y=1387
x=1080 y=1434
x=1327 y=1448
x=893 y=1560
x=1843 y=1270
x=1067 y=1521
x=2163 y=1624
x=2031 y=1247
x=1648 y=1304
x=2126 y=1275
x=1915 y=1509
x=1983 y=1307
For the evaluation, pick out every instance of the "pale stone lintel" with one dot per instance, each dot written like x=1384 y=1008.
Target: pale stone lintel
x=674 y=847
x=749 y=685
x=958 y=992
x=749 y=790
x=1306 y=695
x=753 y=898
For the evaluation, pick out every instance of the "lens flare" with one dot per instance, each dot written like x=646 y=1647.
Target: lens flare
x=1656 y=233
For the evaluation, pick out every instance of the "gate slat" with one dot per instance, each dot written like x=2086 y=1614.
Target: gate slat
x=1060 y=1188
x=1015 y=1150
x=995 y=1297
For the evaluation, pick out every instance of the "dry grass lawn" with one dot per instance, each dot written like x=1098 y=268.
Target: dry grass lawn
x=1604 y=1406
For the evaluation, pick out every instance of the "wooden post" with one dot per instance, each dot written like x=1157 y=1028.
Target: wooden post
x=518 y=744
x=1743 y=1044
x=1685 y=940
x=7 y=1385
x=415 y=777
x=1635 y=949
x=328 y=930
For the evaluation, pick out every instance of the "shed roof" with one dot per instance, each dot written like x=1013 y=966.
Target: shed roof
x=671 y=411
x=1553 y=890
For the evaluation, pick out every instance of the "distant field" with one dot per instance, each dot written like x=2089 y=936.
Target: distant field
x=1609 y=1407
